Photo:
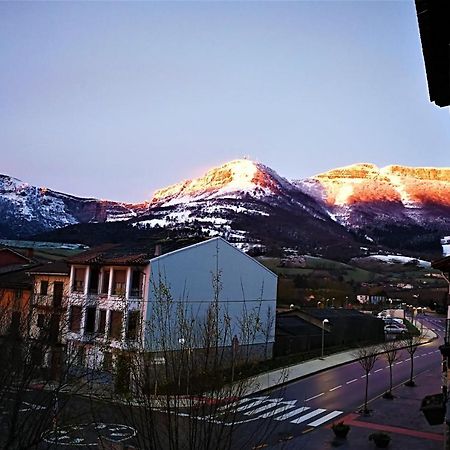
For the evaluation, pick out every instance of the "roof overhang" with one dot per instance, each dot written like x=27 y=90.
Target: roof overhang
x=434 y=26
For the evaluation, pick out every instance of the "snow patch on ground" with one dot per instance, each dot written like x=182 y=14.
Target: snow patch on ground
x=399 y=259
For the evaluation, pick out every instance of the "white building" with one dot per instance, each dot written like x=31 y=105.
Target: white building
x=129 y=297
x=445 y=242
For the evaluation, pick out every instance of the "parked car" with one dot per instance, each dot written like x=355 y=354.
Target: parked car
x=394 y=321
x=394 y=329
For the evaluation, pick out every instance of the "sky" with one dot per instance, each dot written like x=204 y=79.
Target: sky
x=115 y=100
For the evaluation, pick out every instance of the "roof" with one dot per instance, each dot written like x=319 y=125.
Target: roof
x=53 y=268
x=434 y=18
x=218 y=238
x=131 y=253
x=40 y=244
x=17 y=279
x=442 y=264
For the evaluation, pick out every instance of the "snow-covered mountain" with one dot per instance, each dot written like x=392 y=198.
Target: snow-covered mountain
x=27 y=210
x=387 y=204
x=250 y=203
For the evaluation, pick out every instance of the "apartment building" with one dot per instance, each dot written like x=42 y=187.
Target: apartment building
x=117 y=291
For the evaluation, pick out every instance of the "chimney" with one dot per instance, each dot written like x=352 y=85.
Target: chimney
x=158 y=251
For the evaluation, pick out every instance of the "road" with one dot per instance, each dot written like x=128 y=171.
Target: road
x=296 y=409
x=317 y=400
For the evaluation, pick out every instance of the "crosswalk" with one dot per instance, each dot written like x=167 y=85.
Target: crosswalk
x=280 y=410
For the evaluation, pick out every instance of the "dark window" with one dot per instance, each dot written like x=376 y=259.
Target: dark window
x=79 y=356
x=90 y=319
x=105 y=283
x=78 y=282
x=18 y=294
x=37 y=356
x=136 y=283
x=115 y=325
x=41 y=320
x=133 y=325
x=93 y=280
x=15 y=322
x=58 y=290
x=107 y=361
x=44 y=287
x=102 y=321
x=75 y=318
x=53 y=335
x=119 y=282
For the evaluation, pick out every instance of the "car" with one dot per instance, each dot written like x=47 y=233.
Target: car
x=394 y=329
x=394 y=321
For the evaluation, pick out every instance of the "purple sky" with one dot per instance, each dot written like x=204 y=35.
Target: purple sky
x=115 y=100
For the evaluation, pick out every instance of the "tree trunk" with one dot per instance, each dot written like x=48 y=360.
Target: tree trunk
x=412 y=369
x=367 y=392
x=390 y=378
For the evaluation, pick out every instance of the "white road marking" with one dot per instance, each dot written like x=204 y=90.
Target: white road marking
x=275 y=411
x=250 y=405
x=311 y=398
x=262 y=408
x=324 y=419
x=378 y=370
x=416 y=356
x=304 y=418
x=293 y=413
x=242 y=401
x=430 y=353
x=336 y=387
x=352 y=381
x=400 y=362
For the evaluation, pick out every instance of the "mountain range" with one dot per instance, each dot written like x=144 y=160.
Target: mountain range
x=342 y=212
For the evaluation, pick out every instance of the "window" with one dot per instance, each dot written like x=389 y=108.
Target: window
x=94 y=276
x=58 y=290
x=44 y=287
x=75 y=319
x=41 y=320
x=107 y=361
x=105 y=283
x=89 y=326
x=37 y=356
x=102 y=321
x=133 y=325
x=18 y=294
x=115 y=325
x=119 y=282
x=78 y=282
x=136 y=283
x=15 y=322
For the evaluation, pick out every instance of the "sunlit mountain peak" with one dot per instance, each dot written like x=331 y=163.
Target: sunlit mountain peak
x=239 y=176
x=365 y=182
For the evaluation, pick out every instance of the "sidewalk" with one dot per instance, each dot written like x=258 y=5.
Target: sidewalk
x=278 y=377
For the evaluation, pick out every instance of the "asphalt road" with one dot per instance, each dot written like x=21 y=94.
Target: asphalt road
x=319 y=399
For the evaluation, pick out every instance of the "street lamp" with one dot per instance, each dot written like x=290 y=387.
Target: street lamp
x=324 y=321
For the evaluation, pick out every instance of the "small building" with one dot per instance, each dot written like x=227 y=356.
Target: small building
x=167 y=297
x=48 y=312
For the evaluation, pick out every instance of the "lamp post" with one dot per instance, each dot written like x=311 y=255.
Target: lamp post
x=324 y=321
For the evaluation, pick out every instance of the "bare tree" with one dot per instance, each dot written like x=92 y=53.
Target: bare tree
x=391 y=355
x=366 y=357
x=181 y=385
x=411 y=343
x=35 y=369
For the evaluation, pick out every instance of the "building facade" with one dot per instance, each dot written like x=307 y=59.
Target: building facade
x=135 y=299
